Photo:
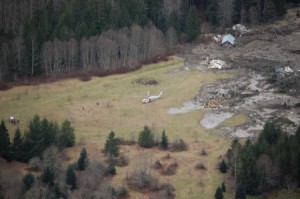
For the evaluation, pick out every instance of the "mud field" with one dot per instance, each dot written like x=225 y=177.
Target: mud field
x=266 y=62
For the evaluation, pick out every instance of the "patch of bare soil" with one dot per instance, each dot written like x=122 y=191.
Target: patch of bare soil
x=147 y=81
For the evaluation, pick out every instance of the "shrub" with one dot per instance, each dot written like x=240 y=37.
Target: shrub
x=203 y=152
x=121 y=192
x=141 y=179
x=123 y=161
x=28 y=180
x=200 y=166
x=111 y=169
x=171 y=169
x=157 y=164
x=179 y=145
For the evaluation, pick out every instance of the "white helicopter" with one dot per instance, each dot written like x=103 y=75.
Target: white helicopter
x=151 y=98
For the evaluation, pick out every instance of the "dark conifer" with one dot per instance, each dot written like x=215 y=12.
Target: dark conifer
x=219 y=193
x=4 y=142
x=82 y=161
x=28 y=180
x=192 y=26
x=71 y=177
x=146 y=138
x=111 y=146
x=240 y=192
x=223 y=167
x=164 y=141
x=16 y=148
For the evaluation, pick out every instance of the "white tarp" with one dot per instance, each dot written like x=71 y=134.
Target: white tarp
x=288 y=70
x=228 y=38
x=218 y=64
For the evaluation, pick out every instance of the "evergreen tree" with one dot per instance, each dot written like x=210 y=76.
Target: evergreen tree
x=154 y=10
x=247 y=172
x=33 y=139
x=111 y=146
x=192 y=26
x=164 y=141
x=4 y=141
x=174 y=22
x=298 y=168
x=71 y=177
x=111 y=169
x=240 y=192
x=146 y=138
x=280 y=7
x=67 y=136
x=219 y=193
x=48 y=176
x=223 y=187
x=50 y=131
x=223 y=167
x=17 y=146
x=212 y=12
x=82 y=161
x=28 y=180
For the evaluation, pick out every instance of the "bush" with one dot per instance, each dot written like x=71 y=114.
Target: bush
x=157 y=164
x=203 y=152
x=111 y=169
x=171 y=169
x=141 y=179
x=123 y=161
x=200 y=166
x=121 y=192
x=28 y=180
x=179 y=145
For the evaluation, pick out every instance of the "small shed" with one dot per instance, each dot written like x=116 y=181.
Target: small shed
x=228 y=39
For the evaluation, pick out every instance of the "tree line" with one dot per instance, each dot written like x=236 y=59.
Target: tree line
x=272 y=162
x=51 y=37
x=40 y=135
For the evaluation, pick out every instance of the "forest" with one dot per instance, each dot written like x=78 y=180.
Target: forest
x=59 y=38
x=269 y=163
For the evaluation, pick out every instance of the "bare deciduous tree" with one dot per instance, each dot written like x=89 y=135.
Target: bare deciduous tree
x=268 y=173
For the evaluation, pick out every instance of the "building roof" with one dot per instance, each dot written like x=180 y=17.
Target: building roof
x=228 y=38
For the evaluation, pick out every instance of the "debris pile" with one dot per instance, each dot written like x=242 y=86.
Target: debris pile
x=217 y=64
x=240 y=29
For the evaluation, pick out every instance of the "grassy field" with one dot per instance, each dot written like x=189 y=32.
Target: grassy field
x=114 y=103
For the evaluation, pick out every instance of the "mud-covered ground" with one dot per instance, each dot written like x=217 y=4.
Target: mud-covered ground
x=259 y=91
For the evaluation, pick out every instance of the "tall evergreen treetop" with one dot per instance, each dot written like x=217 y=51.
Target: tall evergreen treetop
x=164 y=140
x=71 y=177
x=219 y=193
x=34 y=139
x=111 y=146
x=146 y=138
x=240 y=192
x=67 y=136
x=192 y=26
x=4 y=141
x=17 y=145
x=82 y=161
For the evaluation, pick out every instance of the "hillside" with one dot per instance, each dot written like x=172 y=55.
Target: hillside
x=204 y=107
